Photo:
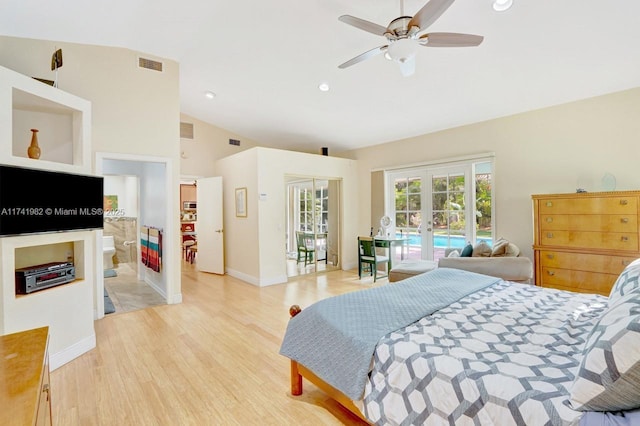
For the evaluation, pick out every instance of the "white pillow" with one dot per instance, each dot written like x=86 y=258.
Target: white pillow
x=609 y=375
x=628 y=281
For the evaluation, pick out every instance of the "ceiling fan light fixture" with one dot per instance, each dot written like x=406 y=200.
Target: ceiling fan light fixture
x=502 y=5
x=401 y=50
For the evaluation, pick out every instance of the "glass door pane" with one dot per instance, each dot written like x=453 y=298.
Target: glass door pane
x=408 y=190
x=448 y=225
x=484 y=202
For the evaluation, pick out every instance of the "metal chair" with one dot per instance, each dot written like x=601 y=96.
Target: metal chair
x=367 y=256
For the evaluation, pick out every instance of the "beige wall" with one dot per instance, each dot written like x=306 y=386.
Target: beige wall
x=255 y=246
x=209 y=144
x=134 y=110
x=552 y=150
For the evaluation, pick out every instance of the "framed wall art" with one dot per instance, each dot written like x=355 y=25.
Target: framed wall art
x=241 y=202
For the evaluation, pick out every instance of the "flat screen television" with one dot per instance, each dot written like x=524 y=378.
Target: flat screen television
x=36 y=201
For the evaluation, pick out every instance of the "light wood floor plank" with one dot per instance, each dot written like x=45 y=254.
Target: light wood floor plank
x=211 y=360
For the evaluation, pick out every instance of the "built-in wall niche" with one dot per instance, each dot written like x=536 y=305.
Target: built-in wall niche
x=68 y=251
x=54 y=122
x=38 y=255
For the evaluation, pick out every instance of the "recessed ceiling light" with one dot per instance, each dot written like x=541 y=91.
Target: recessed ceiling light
x=502 y=5
x=209 y=94
x=324 y=87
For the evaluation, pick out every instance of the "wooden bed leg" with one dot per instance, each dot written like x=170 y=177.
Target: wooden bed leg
x=296 y=379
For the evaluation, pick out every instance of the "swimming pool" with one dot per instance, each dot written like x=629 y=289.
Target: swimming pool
x=443 y=241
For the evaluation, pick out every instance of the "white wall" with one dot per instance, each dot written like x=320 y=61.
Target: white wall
x=209 y=143
x=255 y=248
x=552 y=150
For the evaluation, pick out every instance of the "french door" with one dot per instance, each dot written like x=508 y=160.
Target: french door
x=437 y=208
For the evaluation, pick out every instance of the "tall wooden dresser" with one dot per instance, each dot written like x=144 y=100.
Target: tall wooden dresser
x=582 y=241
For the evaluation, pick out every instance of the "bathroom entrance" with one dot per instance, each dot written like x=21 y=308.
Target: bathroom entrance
x=125 y=291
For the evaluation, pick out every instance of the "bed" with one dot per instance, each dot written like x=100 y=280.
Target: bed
x=455 y=347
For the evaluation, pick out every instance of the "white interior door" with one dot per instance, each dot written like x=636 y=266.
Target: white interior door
x=209 y=231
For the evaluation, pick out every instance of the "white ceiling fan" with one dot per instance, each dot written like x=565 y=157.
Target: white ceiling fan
x=403 y=35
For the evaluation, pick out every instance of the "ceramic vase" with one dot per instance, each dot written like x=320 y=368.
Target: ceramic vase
x=34 y=150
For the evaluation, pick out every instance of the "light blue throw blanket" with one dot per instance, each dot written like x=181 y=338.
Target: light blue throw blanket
x=336 y=337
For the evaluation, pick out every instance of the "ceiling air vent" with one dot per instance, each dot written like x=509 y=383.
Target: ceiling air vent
x=235 y=142
x=149 y=64
x=186 y=130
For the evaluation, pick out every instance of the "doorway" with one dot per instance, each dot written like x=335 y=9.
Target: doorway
x=313 y=225
x=140 y=186
x=124 y=289
x=440 y=208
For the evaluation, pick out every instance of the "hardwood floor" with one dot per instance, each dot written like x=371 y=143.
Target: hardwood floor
x=211 y=360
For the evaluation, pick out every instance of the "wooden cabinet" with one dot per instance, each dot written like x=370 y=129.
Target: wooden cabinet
x=583 y=241
x=24 y=374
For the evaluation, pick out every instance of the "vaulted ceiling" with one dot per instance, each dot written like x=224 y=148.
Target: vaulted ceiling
x=264 y=61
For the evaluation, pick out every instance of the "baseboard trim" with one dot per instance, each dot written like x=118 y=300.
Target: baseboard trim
x=158 y=290
x=72 y=352
x=256 y=281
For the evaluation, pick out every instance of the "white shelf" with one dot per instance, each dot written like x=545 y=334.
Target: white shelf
x=63 y=121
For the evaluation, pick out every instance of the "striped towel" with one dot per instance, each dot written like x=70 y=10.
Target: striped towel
x=144 y=245
x=155 y=249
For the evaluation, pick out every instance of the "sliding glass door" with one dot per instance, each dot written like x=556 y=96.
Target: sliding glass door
x=313 y=226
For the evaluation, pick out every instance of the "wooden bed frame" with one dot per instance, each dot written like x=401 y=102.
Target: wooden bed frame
x=298 y=371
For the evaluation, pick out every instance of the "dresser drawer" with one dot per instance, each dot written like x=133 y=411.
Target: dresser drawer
x=590 y=240
x=589 y=205
x=584 y=262
x=589 y=222
x=581 y=281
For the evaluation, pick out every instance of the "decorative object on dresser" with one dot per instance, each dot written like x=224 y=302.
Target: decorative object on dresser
x=582 y=241
x=24 y=374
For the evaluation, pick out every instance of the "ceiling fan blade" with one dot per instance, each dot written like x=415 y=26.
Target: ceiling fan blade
x=363 y=25
x=408 y=67
x=450 y=40
x=366 y=55
x=429 y=13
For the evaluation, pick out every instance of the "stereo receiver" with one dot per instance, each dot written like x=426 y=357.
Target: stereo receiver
x=39 y=277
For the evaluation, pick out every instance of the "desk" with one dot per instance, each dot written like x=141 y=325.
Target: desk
x=388 y=243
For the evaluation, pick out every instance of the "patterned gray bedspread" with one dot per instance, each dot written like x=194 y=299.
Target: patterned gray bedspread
x=505 y=355
x=336 y=337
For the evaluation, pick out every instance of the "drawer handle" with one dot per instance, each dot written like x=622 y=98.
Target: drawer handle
x=550 y=256
x=623 y=238
x=551 y=273
x=624 y=220
x=623 y=202
x=549 y=204
x=45 y=389
x=549 y=219
x=549 y=234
